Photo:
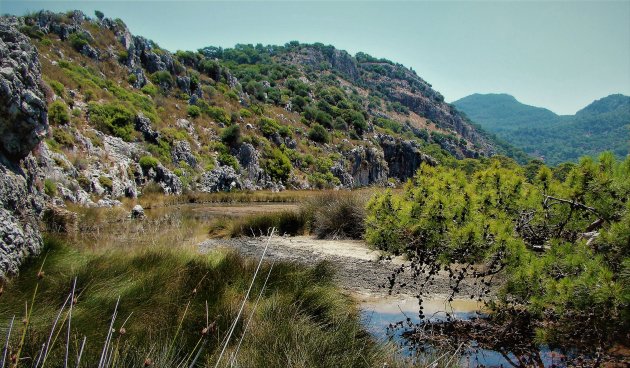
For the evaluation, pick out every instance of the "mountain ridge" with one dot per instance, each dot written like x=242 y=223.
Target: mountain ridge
x=600 y=126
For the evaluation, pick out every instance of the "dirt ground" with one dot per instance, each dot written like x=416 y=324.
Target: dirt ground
x=359 y=270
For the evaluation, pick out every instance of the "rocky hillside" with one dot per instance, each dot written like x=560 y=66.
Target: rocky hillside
x=603 y=125
x=128 y=117
x=23 y=124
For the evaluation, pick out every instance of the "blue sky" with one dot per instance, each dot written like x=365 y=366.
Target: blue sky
x=560 y=55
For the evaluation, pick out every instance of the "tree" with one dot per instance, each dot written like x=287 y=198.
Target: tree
x=99 y=14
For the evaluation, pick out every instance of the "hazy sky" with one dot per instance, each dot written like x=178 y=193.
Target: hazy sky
x=561 y=55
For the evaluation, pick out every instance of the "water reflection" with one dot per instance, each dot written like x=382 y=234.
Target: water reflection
x=379 y=315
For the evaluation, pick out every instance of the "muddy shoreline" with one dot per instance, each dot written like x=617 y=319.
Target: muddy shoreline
x=359 y=270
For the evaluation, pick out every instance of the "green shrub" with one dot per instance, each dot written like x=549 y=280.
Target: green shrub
x=268 y=127
x=162 y=78
x=226 y=159
x=132 y=79
x=194 y=111
x=106 y=182
x=50 y=187
x=148 y=162
x=78 y=40
x=112 y=118
x=277 y=165
x=149 y=89
x=217 y=113
x=231 y=135
x=57 y=87
x=319 y=134
x=58 y=113
x=63 y=137
x=84 y=182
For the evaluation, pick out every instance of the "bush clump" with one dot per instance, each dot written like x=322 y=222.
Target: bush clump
x=277 y=165
x=106 y=182
x=319 y=134
x=58 y=113
x=286 y=223
x=194 y=111
x=50 y=187
x=231 y=135
x=268 y=127
x=336 y=215
x=148 y=162
x=112 y=118
x=78 y=40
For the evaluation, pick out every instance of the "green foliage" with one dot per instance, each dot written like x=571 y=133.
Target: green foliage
x=57 y=87
x=99 y=14
x=319 y=134
x=149 y=89
x=231 y=135
x=63 y=137
x=106 y=182
x=194 y=111
x=277 y=165
x=89 y=80
x=268 y=127
x=531 y=223
x=148 y=162
x=112 y=118
x=226 y=159
x=162 y=78
x=58 y=113
x=50 y=187
x=78 y=40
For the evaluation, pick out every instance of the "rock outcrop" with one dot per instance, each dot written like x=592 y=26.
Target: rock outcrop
x=367 y=166
x=221 y=179
x=23 y=123
x=403 y=157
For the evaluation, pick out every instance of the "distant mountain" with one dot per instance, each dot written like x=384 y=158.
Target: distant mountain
x=603 y=125
x=499 y=112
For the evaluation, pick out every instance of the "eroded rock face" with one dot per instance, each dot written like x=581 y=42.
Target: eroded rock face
x=143 y=125
x=23 y=123
x=22 y=102
x=368 y=166
x=403 y=157
x=181 y=152
x=221 y=179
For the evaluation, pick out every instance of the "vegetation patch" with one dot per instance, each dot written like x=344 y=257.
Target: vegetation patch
x=112 y=118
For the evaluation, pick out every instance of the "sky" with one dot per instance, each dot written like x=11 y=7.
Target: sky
x=561 y=55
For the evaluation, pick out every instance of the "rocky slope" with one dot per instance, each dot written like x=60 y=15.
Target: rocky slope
x=118 y=116
x=601 y=126
x=128 y=113
x=23 y=123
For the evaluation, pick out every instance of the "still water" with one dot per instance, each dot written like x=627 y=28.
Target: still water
x=379 y=313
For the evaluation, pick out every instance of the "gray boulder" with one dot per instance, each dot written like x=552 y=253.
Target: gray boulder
x=221 y=179
x=170 y=183
x=137 y=212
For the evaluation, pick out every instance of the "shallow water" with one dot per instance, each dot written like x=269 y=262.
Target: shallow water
x=378 y=313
